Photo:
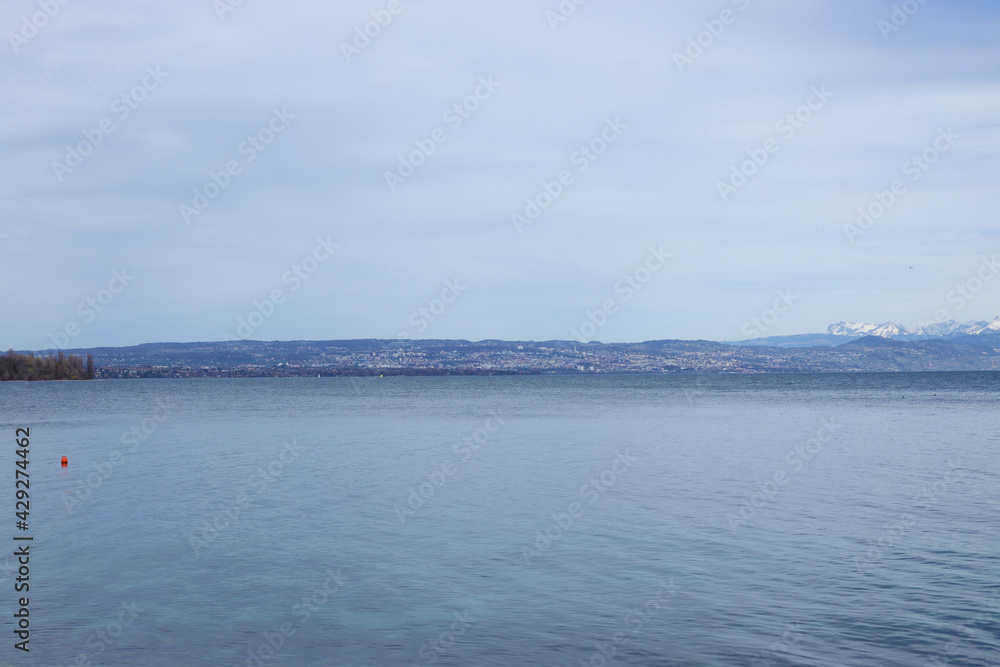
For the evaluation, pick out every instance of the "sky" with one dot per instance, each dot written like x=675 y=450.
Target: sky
x=203 y=170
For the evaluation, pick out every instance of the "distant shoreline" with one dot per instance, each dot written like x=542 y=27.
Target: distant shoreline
x=429 y=357
x=180 y=374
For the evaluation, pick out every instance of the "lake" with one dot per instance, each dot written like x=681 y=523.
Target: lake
x=541 y=520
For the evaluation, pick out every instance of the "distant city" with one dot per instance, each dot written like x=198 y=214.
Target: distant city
x=845 y=347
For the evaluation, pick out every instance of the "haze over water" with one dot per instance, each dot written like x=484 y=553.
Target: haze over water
x=515 y=520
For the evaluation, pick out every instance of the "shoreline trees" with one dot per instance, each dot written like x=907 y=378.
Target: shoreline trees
x=14 y=366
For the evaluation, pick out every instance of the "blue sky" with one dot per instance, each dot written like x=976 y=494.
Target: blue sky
x=188 y=90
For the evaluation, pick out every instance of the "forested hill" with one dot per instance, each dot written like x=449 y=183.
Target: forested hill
x=15 y=366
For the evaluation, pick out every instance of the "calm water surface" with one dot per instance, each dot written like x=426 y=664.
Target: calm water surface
x=629 y=520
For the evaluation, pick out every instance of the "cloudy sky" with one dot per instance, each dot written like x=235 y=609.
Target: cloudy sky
x=197 y=169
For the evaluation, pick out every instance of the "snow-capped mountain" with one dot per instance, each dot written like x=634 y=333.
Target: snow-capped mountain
x=950 y=327
x=845 y=332
x=889 y=330
x=849 y=329
x=992 y=327
x=885 y=330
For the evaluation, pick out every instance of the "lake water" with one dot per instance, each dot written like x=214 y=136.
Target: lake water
x=628 y=520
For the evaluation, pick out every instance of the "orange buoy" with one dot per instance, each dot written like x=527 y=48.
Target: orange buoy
x=65 y=461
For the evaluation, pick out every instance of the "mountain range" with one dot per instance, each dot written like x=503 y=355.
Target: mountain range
x=845 y=332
